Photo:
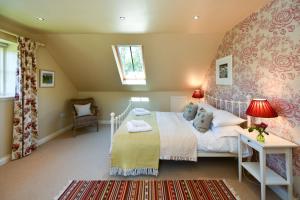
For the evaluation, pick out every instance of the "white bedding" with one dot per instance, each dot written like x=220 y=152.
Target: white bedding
x=210 y=142
x=179 y=140
x=176 y=143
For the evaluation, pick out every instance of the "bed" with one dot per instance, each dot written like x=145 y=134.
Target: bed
x=179 y=140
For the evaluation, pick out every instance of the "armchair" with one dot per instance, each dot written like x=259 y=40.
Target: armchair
x=87 y=120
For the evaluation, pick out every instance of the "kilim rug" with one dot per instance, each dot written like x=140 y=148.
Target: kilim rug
x=147 y=190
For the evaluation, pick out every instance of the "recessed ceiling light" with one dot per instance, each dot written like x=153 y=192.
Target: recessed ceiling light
x=122 y=18
x=196 y=17
x=40 y=18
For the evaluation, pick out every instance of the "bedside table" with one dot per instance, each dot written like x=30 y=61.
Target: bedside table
x=266 y=176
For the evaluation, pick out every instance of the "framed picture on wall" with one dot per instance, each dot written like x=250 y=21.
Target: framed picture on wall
x=224 y=71
x=47 y=78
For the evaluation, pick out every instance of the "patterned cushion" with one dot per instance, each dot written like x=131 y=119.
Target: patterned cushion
x=190 y=111
x=207 y=107
x=202 y=120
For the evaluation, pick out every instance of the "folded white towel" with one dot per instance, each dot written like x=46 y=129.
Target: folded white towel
x=141 y=111
x=138 y=126
x=138 y=123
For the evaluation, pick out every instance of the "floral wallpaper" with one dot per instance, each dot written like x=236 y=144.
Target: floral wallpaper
x=266 y=63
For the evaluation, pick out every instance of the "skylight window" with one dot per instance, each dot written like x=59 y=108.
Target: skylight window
x=129 y=59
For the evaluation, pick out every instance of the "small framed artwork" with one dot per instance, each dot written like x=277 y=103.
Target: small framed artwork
x=224 y=71
x=47 y=78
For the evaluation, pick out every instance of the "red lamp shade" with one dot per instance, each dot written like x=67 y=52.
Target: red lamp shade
x=261 y=108
x=198 y=94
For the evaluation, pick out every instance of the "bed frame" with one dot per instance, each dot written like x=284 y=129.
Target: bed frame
x=235 y=107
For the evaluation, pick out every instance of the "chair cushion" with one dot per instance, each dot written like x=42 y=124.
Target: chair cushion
x=83 y=110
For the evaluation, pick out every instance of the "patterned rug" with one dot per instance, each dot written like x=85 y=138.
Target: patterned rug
x=147 y=189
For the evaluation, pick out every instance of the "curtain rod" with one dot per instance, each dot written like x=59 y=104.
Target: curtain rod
x=16 y=35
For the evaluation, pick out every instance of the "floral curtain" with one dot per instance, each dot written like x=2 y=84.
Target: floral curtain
x=25 y=127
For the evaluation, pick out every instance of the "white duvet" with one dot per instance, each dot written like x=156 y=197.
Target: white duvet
x=179 y=140
x=222 y=142
x=176 y=143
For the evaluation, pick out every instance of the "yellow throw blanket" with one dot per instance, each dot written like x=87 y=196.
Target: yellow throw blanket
x=136 y=153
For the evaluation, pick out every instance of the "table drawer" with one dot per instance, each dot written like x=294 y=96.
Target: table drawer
x=250 y=143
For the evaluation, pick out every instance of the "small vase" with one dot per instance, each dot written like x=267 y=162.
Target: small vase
x=260 y=138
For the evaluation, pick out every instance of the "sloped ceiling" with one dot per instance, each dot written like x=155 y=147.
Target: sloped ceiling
x=172 y=61
x=177 y=49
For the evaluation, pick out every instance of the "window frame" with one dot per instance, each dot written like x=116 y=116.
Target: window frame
x=3 y=93
x=140 y=99
x=3 y=47
x=124 y=80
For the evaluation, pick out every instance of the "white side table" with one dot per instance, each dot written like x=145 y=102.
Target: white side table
x=266 y=176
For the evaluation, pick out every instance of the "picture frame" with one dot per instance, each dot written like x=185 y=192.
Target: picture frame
x=224 y=71
x=47 y=79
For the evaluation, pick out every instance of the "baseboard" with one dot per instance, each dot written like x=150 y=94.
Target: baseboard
x=104 y=122
x=5 y=159
x=53 y=135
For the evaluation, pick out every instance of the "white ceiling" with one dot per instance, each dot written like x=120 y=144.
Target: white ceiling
x=142 y=16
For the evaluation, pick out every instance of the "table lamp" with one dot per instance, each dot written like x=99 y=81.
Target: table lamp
x=263 y=109
x=198 y=94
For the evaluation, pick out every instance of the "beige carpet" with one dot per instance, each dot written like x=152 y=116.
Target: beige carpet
x=43 y=174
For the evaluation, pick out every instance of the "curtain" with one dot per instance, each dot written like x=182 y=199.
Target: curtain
x=25 y=122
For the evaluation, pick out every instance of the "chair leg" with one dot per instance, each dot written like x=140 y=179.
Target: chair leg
x=97 y=126
x=74 y=131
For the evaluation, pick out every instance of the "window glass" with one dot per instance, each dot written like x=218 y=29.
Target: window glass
x=8 y=68
x=129 y=59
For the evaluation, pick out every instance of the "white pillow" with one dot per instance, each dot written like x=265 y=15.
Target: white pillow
x=224 y=118
x=83 y=110
x=226 y=131
x=207 y=107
